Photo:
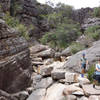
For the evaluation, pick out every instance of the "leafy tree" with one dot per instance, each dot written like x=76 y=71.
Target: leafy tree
x=60 y=14
x=96 y=12
x=65 y=10
x=93 y=32
x=90 y=73
x=63 y=35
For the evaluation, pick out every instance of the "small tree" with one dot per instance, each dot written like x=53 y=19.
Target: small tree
x=93 y=32
x=90 y=73
x=96 y=12
x=62 y=36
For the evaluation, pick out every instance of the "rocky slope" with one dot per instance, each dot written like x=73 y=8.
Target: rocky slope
x=29 y=12
x=81 y=14
x=92 y=55
x=51 y=81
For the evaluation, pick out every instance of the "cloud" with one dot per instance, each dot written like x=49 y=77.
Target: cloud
x=76 y=3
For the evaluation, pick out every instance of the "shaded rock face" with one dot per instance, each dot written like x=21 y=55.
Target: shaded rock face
x=90 y=22
x=92 y=55
x=5 y=5
x=81 y=14
x=28 y=12
x=14 y=60
x=30 y=15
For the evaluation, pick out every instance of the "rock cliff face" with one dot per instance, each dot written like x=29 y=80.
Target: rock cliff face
x=5 y=5
x=14 y=60
x=89 y=22
x=29 y=12
x=81 y=14
x=31 y=15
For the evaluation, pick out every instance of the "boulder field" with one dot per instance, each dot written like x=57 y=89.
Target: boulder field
x=52 y=81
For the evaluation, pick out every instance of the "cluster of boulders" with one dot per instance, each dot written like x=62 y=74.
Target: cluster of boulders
x=51 y=81
x=15 y=63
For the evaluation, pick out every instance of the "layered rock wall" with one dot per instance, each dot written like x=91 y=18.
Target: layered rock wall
x=5 y=5
x=14 y=60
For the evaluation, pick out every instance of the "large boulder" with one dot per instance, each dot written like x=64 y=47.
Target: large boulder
x=14 y=60
x=92 y=55
x=89 y=90
x=58 y=74
x=55 y=92
x=71 y=77
x=55 y=67
x=46 y=71
x=38 y=48
x=83 y=98
x=71 y=97
x=94 y=97
x=71 y=89
x=16 y=96
x=42 y=51
x=44 y=83
x=49 y=53
x=38 y=94
x=66 y=52
x=82 y=80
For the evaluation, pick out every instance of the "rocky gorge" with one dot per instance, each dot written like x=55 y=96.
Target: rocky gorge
x=39 y=72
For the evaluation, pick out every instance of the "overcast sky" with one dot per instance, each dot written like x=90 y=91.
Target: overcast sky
x=76 y=3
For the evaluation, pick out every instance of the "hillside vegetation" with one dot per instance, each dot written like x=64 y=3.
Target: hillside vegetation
x=55 y=27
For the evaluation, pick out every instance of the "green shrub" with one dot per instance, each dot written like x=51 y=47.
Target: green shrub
x=96 y=35
x=23 y=31
x=65 y=10
x=93 y=32
x=62 y=36
x=11 y=21
x=90 y=73
x=96 y=12
x=75 y=47
x=93 y=29
x=14 y=23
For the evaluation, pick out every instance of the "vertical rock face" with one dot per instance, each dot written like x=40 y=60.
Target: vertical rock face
x=14 y=60
x=81 y=14
x=5 y=5
x=30 y=11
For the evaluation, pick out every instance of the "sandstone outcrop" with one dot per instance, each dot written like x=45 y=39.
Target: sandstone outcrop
x=15 y=62
x=89 y=22
x=81 y=14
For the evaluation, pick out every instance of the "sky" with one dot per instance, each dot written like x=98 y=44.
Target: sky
x=77 y=4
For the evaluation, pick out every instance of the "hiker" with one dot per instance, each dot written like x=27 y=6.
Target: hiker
x=83 y=63
x=96 y=75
